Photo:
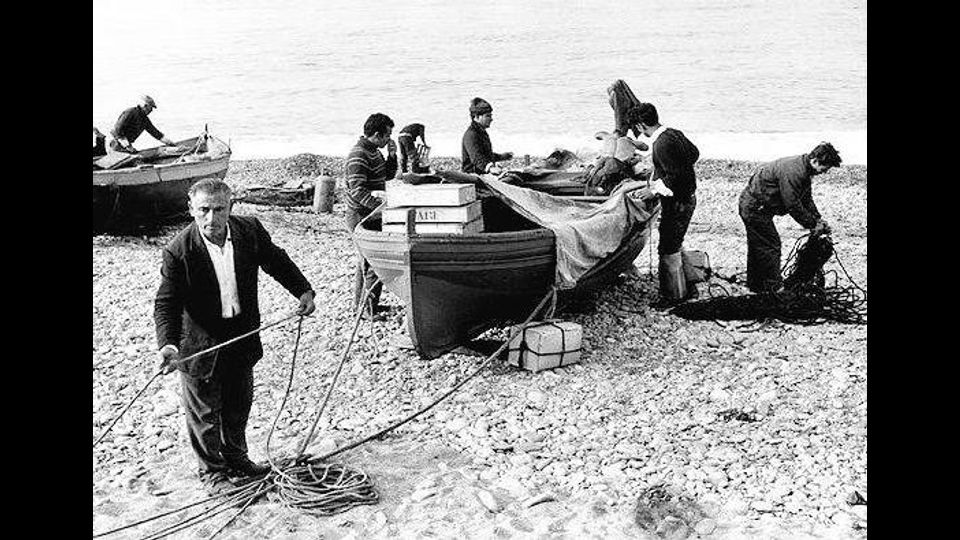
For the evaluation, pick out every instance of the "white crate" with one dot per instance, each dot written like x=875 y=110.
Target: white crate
x=475 y=226
x=545 y=345
x=434 y=214
x=402 y=194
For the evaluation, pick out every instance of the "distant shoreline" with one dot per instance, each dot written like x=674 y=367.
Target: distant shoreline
x=745 y=146
x=276 y=171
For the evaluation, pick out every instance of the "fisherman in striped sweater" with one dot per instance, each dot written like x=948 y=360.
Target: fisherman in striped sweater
x=367 y=171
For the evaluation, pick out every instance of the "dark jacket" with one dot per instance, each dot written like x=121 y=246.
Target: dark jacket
x=623 y=102
x=187 y=310
x=99 y=149
x=783 y=186
x=132 y=123
x=673 y=156
x=415 y=130
x=476 y=151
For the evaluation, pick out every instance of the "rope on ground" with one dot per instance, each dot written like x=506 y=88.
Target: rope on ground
x=180 y=362
x=305 y=482
x=513 y=333
x=323 y=488
x=810 y=295
x=330 y=488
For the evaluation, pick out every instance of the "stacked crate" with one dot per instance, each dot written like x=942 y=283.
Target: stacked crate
x=432 y=208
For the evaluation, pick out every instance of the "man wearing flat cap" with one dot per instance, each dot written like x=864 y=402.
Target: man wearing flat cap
x=132 y=123
x=477 y=153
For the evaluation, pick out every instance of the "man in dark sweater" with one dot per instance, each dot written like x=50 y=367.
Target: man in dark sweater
x=672 y=156
x=132 y=123
x=410 y=148
x=775 y=189
x=477 y=155
x=367 y=171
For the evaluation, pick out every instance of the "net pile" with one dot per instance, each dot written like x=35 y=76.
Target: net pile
x=810 y=295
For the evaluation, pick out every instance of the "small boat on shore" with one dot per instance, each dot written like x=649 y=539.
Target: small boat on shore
x=132 y=191
x=454 y=287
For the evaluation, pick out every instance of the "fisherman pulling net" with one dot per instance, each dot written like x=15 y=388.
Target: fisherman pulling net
x=810 y=294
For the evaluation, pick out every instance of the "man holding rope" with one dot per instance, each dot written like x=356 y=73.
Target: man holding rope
x=775 y=189
x=208 y=295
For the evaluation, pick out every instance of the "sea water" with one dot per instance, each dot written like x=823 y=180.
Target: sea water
x=743 y=79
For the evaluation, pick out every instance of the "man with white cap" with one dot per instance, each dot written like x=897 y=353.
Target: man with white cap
x=132 y=123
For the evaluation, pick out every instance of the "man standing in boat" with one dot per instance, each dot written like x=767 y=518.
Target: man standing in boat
x=208 y=295
x=477 y=155
x=132 y=123
x=673 y=177
x=775 y=189
x=413 y=143
x=368 y=171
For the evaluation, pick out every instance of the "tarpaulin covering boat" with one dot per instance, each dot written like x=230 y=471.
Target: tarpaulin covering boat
x=456 y=286
x=150 y=187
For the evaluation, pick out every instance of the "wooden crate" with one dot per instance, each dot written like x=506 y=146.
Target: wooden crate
x=472 y=227
x=434 y=214
x=402 y=194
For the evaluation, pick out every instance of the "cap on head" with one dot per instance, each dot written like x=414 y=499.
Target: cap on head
x=147 y=100
x=479 y=106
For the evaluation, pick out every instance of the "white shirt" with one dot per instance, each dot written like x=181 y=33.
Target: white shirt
x=222 y=259
x=656 y=134
x=653 y=138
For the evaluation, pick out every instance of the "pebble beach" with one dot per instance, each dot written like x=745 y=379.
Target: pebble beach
x=667 y=428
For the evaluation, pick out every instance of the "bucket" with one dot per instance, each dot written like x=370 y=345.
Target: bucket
x=323 y=194
x=423 y=158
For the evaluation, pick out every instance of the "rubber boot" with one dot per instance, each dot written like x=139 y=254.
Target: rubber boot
x=673 y=282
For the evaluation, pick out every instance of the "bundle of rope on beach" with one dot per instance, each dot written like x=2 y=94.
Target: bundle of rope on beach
x=308 y=483
x=810 y=294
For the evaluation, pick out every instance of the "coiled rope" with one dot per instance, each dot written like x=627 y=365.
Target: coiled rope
x=305 y=482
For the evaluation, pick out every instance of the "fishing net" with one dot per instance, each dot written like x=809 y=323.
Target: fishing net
x=810 y=295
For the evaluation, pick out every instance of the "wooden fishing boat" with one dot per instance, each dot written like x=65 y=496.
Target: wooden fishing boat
x=456 y=286
x=150 y=188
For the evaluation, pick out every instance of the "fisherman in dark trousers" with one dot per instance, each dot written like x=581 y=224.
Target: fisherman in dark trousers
x=208 y=295
x=777 y=188
x=410 y=147
x=367 y=171
x=673 y=177
x=477 y=155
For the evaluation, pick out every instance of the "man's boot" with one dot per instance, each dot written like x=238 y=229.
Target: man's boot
x=673 y=282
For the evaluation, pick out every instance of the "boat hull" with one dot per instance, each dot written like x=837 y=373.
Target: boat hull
x=455 y=287
x=148 y=195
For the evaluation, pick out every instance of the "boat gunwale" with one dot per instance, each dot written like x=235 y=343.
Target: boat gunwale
x=107 y=178
x=452 y=238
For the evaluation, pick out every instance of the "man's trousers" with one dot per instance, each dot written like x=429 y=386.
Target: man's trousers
x=217 y=410
x=763 y=246
x=675 y=218
x=364 y=276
